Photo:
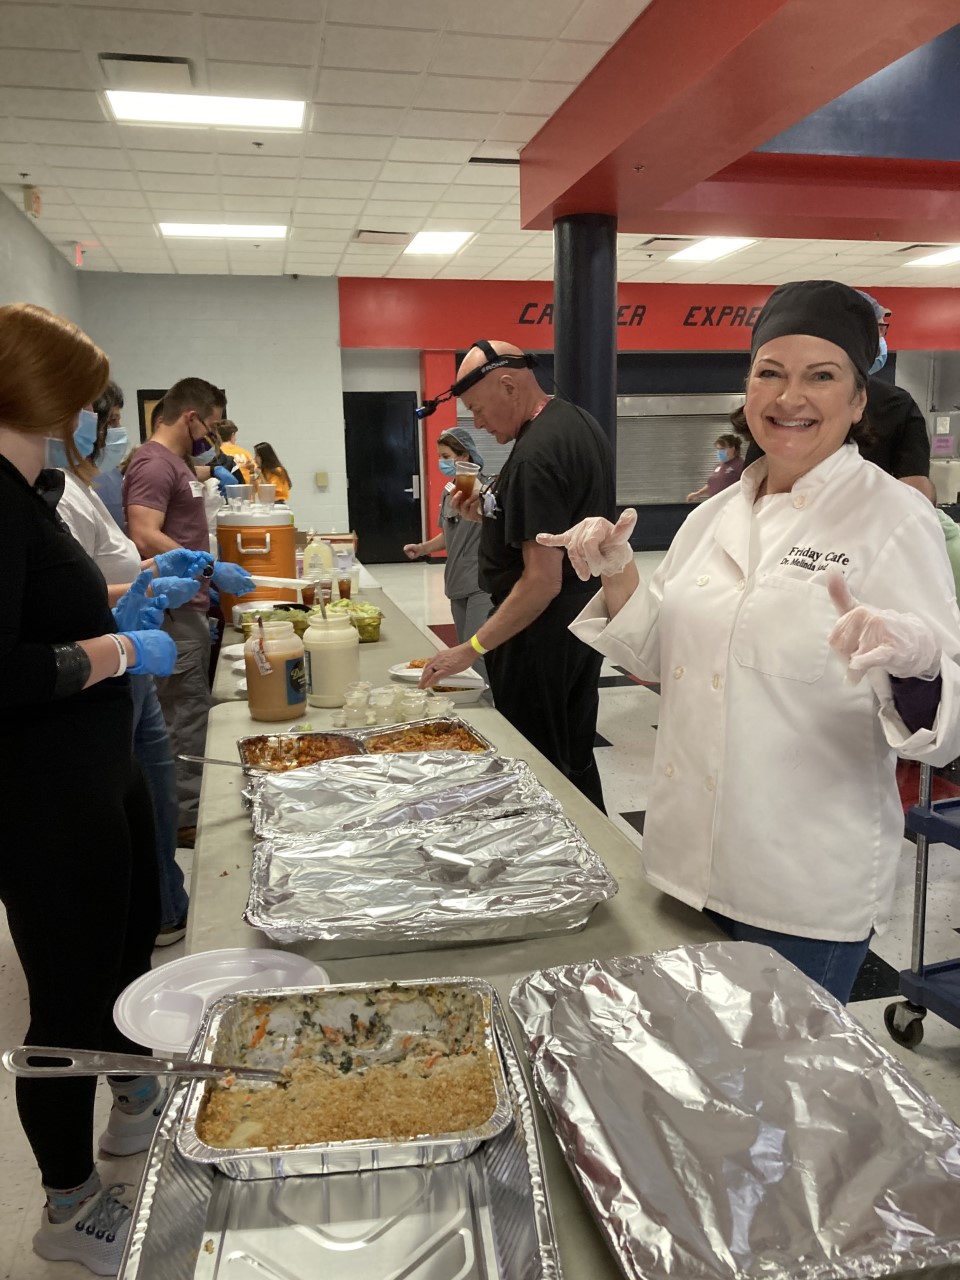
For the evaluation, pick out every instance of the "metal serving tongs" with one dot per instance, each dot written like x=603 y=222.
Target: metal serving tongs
x=88 y=1062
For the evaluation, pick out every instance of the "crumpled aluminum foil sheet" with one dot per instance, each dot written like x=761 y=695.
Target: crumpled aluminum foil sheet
x=359 y=792
x=456 y=878
x=725 y=1117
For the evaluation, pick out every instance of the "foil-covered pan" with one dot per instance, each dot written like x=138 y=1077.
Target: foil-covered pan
x=350 y=1028
x=456 y=879
x=486 y=1217
x=424 y=735
x=279 y=752
x=359 y=792
x=726 y=1118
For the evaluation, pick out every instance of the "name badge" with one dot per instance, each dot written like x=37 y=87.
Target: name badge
x=196 y=488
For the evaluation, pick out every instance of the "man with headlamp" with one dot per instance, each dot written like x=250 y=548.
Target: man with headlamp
x=559 y=471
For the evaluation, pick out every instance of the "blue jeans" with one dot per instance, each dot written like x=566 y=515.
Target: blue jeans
x=151 y=747
x=834 y=965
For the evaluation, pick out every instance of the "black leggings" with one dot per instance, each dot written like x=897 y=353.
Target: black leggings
x=546 y=682
x=78 y=877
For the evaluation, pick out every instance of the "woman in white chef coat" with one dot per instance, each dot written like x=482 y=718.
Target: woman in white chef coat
x=774 y=803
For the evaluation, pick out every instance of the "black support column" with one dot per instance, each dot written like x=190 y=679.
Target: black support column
x=585 y=314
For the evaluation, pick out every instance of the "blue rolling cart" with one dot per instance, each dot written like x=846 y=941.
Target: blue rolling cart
x=927 y=986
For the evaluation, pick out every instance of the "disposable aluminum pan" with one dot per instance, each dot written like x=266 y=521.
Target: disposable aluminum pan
x=456 y=879
x=386 y=738
x=486 y=1217
x=282 y=751
x=728 y=1120
x=225 y=1036
x=360 y=792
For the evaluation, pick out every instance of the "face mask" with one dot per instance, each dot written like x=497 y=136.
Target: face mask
x=204 y=451
x=114 y=450
x=722 y=455
x=881 y=359
x=448 y=467
x=84 y=439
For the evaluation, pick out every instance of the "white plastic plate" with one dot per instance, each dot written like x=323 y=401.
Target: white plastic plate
x=463 y=679
x=163 y=1008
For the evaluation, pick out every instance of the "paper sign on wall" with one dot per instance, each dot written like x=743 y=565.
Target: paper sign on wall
x=943 y=445
x=942 y=424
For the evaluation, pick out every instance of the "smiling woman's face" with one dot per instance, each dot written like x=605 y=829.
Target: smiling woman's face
x=801 y=402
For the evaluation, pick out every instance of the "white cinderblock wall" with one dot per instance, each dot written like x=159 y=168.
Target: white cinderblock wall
x=31 y=269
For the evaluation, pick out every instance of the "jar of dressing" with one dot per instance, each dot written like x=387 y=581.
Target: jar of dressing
x=332 y=658
x=276 y=681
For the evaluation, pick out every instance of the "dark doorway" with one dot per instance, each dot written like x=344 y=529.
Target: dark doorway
x=383 y=472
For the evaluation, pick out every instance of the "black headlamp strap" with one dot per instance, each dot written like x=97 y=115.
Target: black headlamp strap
x=483 y=345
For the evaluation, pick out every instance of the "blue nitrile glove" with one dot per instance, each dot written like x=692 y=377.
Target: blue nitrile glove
x=135 y=610
x=182 y=563
x=224 y=479
x=232 y=578
x=175 y=591
x=156 y=654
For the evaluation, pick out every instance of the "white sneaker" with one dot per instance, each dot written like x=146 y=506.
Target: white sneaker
x=125 y=1135
x=95 y=1235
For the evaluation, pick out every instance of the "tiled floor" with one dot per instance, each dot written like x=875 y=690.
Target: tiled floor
x=627 y=728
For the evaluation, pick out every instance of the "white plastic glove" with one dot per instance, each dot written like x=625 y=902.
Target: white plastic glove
x=595 y=545
x=899 y=643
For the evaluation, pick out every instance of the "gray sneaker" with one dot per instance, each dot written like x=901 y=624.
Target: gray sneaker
x=95 y=1235
x=125 y=1135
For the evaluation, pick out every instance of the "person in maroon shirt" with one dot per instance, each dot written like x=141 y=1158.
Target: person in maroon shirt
x=726 y=472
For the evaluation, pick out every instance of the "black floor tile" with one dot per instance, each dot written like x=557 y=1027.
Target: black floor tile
x=875 y=979
x=600 y=741
x=636 y=819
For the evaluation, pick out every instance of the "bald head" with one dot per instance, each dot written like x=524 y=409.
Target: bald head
x=504 y=399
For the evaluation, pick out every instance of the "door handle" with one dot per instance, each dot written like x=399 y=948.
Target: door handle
x=415 y=487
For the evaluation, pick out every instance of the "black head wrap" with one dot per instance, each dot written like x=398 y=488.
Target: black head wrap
x=822 y=309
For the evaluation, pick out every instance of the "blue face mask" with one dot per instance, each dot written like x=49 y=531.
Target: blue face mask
x=881 y=359
x=84 y=440
x=722 y=455
x=448 y=467
x=204 y=451
x=114 y=450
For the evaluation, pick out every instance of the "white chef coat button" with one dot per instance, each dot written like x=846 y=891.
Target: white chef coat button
x=669 y=771
x=703 y=579
x=741 y=584
x=677 y=672
x=710 y=784
x=717 y=682
x=800 y=501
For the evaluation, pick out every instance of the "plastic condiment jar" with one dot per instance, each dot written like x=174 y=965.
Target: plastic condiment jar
x=276 y=683
x=333 y=659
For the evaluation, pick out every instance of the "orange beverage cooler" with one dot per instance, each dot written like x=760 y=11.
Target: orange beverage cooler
x=265 y=544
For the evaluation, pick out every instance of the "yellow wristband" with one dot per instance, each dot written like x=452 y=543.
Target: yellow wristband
x=476 y=645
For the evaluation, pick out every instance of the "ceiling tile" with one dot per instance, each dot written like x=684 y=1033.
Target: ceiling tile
x=469 y=193
x=313 y=204
x=172 y=162
x=419 y=192
x=341 y=170
x=253 y=80
x=482 y=55
x=184 y=183
x=346 y=269
x=412 y=210
x=294 y=44
x=532 y=97
x=316 y=269
x=373 y=89
x=367 y=120
x=47 y=104
x=323 y=221
x=99 y=179
x=600 y=20
x=176 y=205
x=372 y=48
x=354 y=147
x=258 y=186
x=453 y=209
x=489 y=175
x=115 y=212
x=25 y=68
x=294 y=10
x=459 y=223
x=272 y=205
x=432 y=150
x=518 y=129
x=99 y=157
x=257 y=165
x=446 y=124
x=30 y=26
x=160 y=34
x=569 y=61
x=453 y=93
x=427 y=15
x=324 y=188
x=393 y=171
x=531 y=18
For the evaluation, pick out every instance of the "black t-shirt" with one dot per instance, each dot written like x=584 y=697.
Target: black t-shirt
x=559 y=472
x=898 y=442
x=53 y=594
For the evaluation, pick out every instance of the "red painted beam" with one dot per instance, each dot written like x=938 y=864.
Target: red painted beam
x=691 y=87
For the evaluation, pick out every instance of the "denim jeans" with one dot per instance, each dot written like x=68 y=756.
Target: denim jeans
x=151 y=747
x=834 y=965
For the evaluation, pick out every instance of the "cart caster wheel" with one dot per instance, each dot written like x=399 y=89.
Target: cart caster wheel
x=905 y=1023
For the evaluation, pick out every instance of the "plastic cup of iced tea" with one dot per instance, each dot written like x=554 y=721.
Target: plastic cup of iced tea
x=465 y=478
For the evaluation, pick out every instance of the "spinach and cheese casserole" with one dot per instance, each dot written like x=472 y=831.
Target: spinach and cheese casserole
x=392 y=1063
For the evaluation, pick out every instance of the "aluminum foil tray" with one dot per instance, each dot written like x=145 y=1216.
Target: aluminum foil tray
x=726 y=1118
x=486 y=1217
x=360 y=792
x=456 y=879
x=225 y=1036
x=376 y=740
x=278 y=752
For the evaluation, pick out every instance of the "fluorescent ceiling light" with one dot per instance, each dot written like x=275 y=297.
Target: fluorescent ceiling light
x=712 y=248
x=199 y=108
x=222 y=231
x=438 y=241
x=941 y=259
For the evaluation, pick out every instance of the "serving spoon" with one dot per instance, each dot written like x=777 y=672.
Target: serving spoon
x=90 y=1062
